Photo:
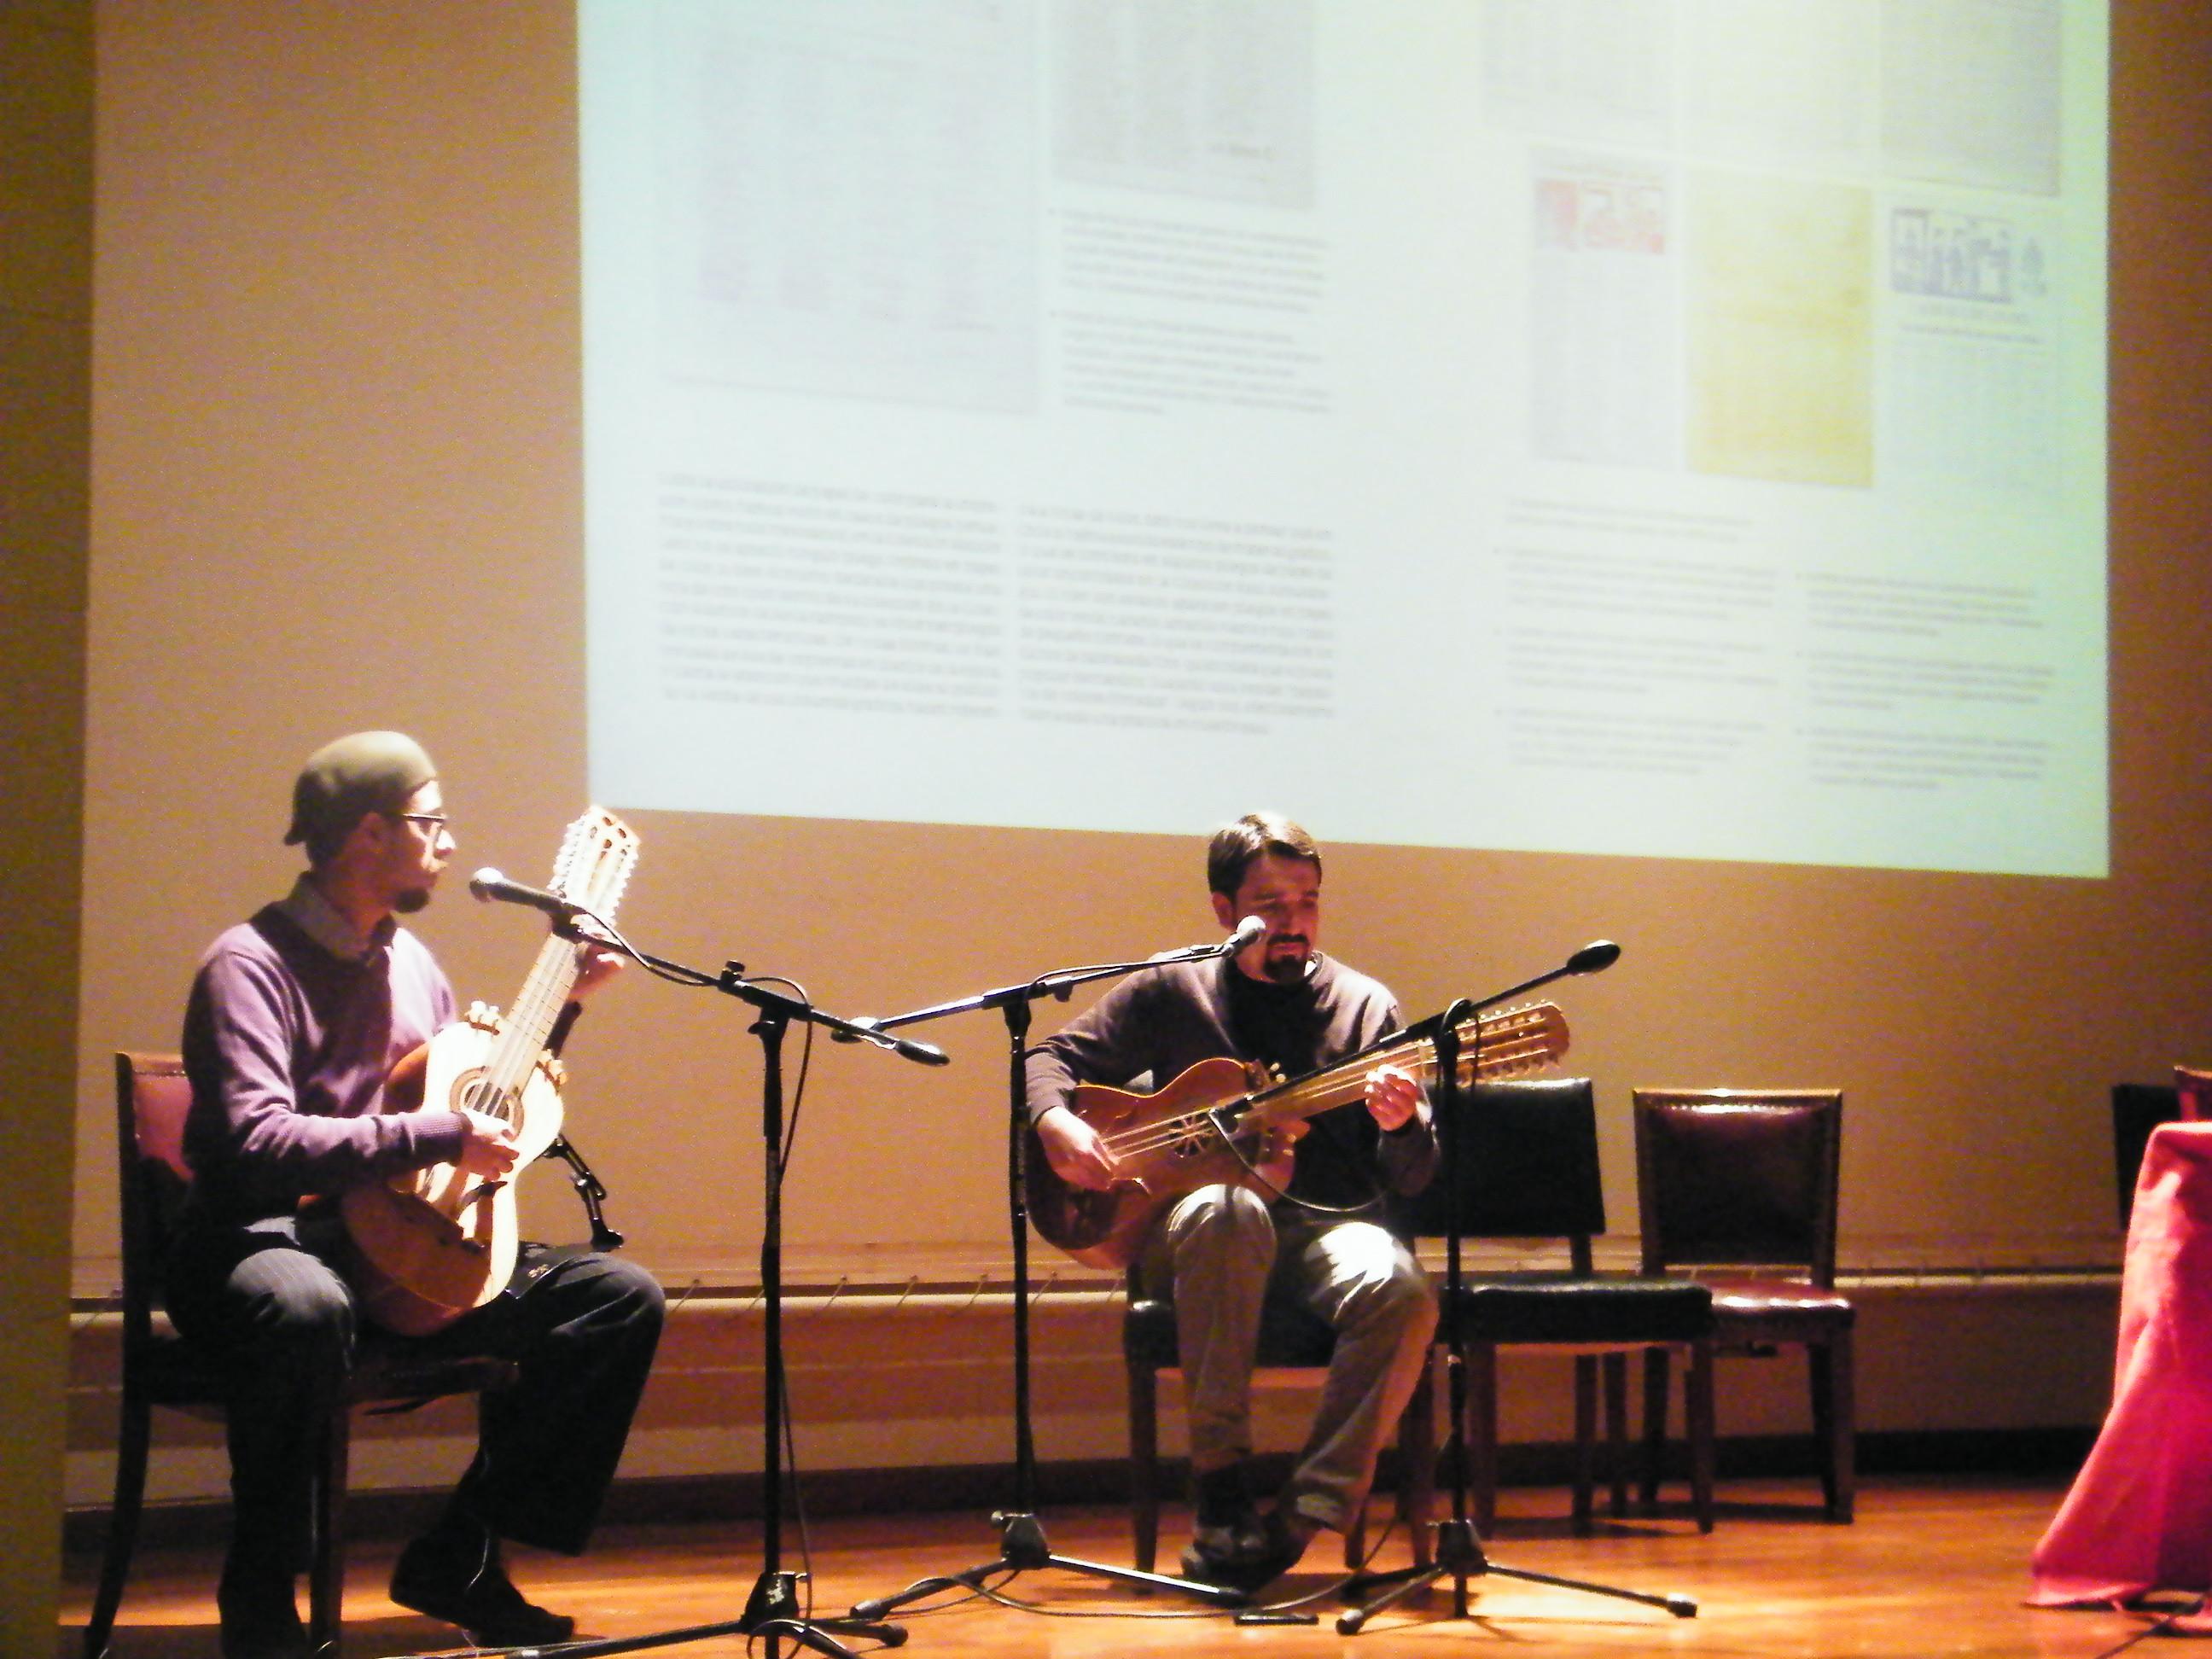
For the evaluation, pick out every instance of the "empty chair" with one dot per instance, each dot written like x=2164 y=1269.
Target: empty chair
x=2137 y=1109
x=1741 y=1186
x=2192 y=1093
x=1527 y=1163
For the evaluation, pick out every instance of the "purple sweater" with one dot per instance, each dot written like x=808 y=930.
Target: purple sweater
x=287 y=1042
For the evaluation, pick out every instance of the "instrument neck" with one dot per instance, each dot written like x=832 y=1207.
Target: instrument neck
x=531 y=1019
x=1486 y=1047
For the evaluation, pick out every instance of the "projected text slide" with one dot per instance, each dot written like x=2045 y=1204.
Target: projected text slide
x=1459 y=425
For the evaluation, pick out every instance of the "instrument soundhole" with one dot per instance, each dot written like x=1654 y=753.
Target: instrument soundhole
x=480 y=1094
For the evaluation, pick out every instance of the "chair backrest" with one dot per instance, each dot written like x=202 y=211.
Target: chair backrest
x=1528 y=1167
x=2137 y=1109
x=1739 y=1178
x=2192 y=1093
x=152 y=1097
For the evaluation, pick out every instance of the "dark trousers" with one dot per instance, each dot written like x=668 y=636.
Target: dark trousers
x=581 y=1330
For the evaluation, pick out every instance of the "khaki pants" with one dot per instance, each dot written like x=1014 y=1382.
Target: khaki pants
x=1224 y=1252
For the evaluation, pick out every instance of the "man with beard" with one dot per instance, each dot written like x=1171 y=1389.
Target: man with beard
x=1307 y=1229
x=295 y=1021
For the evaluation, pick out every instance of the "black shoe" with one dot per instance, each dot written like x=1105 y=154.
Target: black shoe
x=1241 y=1563
x=474 y=1593
x=259 y=1613
x=1225 y=1524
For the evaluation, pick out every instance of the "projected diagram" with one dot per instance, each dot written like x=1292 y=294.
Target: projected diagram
x=1100 y=413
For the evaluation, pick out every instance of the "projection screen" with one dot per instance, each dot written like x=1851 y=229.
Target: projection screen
x=1659 y=427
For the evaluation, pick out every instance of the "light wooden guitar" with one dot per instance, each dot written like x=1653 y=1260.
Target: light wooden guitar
x=1205 y=1128
x=429 y=1245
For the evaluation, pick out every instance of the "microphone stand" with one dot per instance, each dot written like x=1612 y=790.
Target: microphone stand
x=1023 y=1546
x=590 y=1190
x=772 y=1611
x=1459 y=1551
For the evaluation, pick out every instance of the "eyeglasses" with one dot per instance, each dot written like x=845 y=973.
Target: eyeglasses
x=435 y=823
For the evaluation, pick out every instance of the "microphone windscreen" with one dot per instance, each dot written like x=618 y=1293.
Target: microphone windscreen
x=1594 y=957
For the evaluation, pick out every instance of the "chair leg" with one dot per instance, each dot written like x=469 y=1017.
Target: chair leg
x=1145 y=1462
x=1417 y=1475
x=1585 y=1436
x=130 y=1441
x=1834 y=1412
x=1417 y=1457
x=1616 y=1429
x=327 y=1562
x=1657 y=1380
x=1478 y=1433
x=1698 y=1410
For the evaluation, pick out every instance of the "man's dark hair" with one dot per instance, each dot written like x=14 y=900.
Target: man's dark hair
x=1236 y=845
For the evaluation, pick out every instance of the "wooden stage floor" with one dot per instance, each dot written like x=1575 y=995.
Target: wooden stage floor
x=1931 y=1567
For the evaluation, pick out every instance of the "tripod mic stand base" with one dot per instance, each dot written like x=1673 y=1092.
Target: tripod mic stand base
x=1460 y=1558
x=773 y=1610
x=1025 y=1550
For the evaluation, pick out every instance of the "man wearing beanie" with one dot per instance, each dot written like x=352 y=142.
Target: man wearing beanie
x=294 y=1022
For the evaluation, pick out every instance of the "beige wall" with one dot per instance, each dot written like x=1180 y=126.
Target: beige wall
x=46 y=291
x=335 y=484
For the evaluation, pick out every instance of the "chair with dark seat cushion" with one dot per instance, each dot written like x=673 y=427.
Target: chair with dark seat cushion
x=2137 y=1109
x=1741 y=1186
x=2192 y=1093
x=152 y=1097
x=1294 y=1349
x=1529 y=1170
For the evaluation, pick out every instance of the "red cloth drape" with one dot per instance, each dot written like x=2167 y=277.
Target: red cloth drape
x=2139 y=1515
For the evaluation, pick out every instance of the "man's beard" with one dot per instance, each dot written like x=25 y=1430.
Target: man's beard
x=412 y=900
x=1287 y=968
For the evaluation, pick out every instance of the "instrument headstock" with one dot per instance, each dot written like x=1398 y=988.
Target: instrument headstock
x=597 y=855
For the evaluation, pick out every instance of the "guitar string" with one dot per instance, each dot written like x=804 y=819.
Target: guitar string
x=522 y=1036
x=1190 y=1125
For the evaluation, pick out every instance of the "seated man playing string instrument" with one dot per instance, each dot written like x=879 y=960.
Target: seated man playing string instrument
x=1307 y=1226
x=296 y=1020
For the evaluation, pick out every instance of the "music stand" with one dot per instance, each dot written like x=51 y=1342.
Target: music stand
x=772 y=1611
x=1459 y=1553
x=1023 y=1546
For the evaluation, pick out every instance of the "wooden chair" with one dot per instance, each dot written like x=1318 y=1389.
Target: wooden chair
x=1294 y=1348
x=2192 y=1093
x=2137 y=1109
x=1528 y=1170
x=1744 y=1183
x=159 y=1368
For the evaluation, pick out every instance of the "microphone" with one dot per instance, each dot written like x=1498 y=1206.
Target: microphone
x=1595 y=958
x=489 y=886
x=1250 y=931
x=926 y=1053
